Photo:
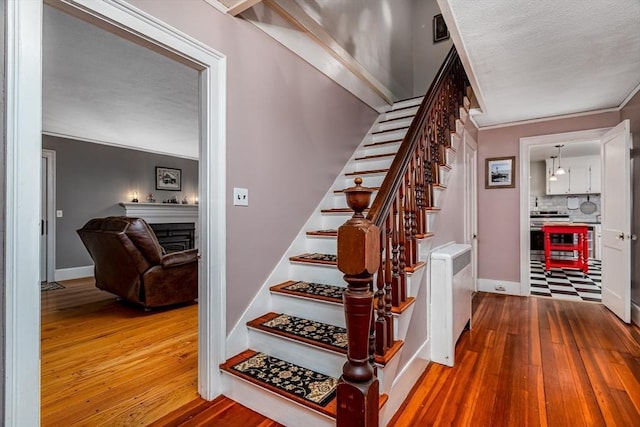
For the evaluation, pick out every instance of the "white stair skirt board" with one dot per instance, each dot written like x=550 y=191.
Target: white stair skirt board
x=272 y=405
x=73 y=273
x=404 y=382
x=499 y=286
x=635 y=313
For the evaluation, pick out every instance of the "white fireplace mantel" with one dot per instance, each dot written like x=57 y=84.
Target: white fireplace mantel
x=160 y=213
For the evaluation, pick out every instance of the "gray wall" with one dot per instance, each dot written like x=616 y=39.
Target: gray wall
x=91 y=179
x=427 y=55
x=290 y=130
x=631 y=111
x=3 y=145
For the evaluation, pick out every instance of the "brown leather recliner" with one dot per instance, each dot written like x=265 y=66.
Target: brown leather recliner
x=130 y=263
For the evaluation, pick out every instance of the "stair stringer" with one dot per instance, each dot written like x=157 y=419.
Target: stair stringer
x=238 y=338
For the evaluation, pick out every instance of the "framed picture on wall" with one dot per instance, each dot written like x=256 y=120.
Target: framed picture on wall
x=168 y=179
x=500 y=172
x=440 y=30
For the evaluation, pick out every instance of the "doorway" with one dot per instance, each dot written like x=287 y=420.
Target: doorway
x=530 y=203
x=23 y=180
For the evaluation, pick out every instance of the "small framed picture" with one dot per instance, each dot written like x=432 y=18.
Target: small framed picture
x=500 y=172
x=440 y=30
x=168 y=179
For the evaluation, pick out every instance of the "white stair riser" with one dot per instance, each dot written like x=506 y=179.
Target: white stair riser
x=407 y=103
x=371 y=180
x=389 y=136
x=311 y=309
x=323 y=245
x=372 y=164
x=313 y=273
x=393 y=124
x=394 y=114
x=379 y=149
x=340 y=200
x=273 y=406
x=387 y=374
x=307 y=356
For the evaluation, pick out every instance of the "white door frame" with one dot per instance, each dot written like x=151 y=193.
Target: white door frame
x=471 y=203
x=525 y=145
x=24 y=144
x=50 y=217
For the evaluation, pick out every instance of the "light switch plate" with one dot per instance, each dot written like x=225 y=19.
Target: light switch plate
x=59 y=213
x=240 y=197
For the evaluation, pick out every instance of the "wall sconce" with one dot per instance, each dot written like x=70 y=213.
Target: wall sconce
x=553 y=176
x=134 y=196
x=560 y=170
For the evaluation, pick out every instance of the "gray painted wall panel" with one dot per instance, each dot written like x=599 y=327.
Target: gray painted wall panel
x=91 y=180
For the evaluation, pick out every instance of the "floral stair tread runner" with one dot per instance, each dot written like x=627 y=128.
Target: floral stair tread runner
x=300 y=384
x=331 y=293
x=317 y=258
x=320 y=334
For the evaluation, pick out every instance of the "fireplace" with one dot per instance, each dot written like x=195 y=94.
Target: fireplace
x=175 y=236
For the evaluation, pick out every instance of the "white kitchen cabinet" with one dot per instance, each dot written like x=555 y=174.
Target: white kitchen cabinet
x=582 y=176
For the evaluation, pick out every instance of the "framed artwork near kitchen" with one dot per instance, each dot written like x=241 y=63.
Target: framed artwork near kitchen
x=500 y=172
x=168 y=179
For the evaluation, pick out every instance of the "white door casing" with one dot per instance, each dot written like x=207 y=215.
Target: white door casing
x=616 y=221
x=471 y=202
x=48 y=227
x=23 y=181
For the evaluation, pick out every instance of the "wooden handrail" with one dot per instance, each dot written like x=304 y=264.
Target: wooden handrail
x=393 y=179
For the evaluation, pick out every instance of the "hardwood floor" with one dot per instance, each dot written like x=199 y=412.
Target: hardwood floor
x=534 y=361
x=527 y=361
x=107 y=363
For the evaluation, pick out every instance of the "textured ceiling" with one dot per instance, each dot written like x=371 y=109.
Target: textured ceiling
x=545 y=58
x=99 y=87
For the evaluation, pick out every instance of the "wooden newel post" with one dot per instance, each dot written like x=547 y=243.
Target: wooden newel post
x=358 y=259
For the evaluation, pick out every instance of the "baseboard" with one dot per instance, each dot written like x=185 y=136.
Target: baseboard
x=635 y=313
x=73 y=273
x=499 y=286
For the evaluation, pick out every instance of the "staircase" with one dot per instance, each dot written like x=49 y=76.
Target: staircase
x=291 y=343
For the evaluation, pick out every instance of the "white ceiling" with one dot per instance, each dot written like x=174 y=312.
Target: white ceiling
x=102 y=88
x=543 y=58
x=569 y=149
x=527 y=59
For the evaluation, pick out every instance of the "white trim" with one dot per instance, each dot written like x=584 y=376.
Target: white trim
x=635 y=313
x=73 y=273
x=629 y=97
x=117 y=144
x=217 y=5
x=525 y=148
x=550 y=118
x=491 y=285
x=23 y=151
x=24 y=119
x=50 y=225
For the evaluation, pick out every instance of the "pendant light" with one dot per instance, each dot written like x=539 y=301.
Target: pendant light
x=553 y=176
x=560 y=170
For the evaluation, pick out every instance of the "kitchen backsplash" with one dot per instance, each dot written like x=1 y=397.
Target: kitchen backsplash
x=559 y=203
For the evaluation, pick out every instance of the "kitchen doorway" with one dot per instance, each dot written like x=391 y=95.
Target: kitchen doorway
x=561 y=182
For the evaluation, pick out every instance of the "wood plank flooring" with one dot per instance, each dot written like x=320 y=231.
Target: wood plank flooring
x=537 y=362
x=527 y=361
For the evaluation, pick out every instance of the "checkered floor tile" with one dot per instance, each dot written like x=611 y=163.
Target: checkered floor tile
x=567 y=283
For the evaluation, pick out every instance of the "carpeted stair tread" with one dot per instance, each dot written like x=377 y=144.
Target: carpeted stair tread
x=367 y=172
x=310 y=290
x=323 y=335
x=376 y=156
x=50 y=286
x=316 y=258
x=323 y=233
x=305 y=386
x=342 y=190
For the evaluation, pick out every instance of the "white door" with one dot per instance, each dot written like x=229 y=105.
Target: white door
x=616 y=221
x=470 y=210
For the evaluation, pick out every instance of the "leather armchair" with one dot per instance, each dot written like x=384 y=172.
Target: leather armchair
x=130 y=263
